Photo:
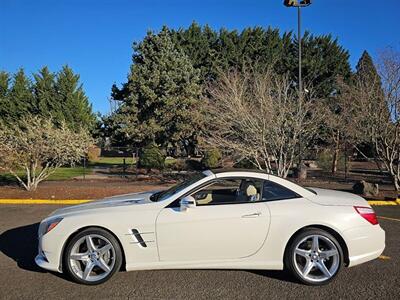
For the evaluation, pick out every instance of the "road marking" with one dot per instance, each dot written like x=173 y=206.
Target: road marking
x=42 y=201
x=384 y=257
x=80 y=201
x=391 y=219
x=384 y=202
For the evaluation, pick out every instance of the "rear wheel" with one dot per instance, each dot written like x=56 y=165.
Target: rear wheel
x=314 y=257
x=92 y=256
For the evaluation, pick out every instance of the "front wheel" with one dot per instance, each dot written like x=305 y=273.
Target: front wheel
x=314 y=257
x=92 y=256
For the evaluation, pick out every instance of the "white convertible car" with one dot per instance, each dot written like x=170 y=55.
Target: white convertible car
x=220 y=220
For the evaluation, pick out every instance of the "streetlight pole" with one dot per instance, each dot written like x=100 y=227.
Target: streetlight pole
x=299 y=41
x=299 y=5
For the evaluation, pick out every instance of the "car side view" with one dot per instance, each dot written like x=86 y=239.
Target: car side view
x=224 y=219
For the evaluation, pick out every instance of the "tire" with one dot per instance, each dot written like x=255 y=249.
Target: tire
x=311 y=262
x=92 y=256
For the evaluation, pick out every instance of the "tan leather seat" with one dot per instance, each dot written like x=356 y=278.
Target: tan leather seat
x=248 y=192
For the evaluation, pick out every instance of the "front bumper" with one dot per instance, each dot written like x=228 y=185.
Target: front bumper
x=42 y=262
x=49 y=252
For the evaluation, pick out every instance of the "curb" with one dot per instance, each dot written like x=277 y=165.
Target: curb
x=71 y=202
x=42 y=201
x=384 y=202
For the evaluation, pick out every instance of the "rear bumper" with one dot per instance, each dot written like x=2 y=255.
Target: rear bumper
x=364 y=243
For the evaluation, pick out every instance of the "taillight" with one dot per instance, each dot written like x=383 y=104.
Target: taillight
x=367 y=213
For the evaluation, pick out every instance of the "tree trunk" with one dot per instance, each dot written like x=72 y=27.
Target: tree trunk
x=336 y=154
x=396 y=181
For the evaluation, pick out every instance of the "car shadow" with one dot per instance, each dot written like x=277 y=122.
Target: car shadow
x=274 y=274
x=21 y=245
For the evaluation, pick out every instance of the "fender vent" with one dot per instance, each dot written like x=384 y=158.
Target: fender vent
x=139 y=238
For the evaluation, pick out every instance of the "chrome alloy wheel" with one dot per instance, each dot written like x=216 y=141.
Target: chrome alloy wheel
x=92 y=257
x=316 y=258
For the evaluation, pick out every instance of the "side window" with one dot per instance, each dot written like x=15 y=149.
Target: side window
x=273 y=191
x=229 y=191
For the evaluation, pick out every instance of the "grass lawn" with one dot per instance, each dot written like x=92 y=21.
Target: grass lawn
x=68 y=173
x=63 y=173
x=112 y=161
x=170 y=161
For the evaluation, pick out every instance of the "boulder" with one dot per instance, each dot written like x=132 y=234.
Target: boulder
x=366 y=188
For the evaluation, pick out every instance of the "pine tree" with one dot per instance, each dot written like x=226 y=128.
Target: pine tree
x=4 y=99
x=75 y=106
x=197 y=43
x=46 y=95
x=163 y=92
x=366 y=71
x=323 y=61
x=211 y=52
x=21 y=97
x=367 y=76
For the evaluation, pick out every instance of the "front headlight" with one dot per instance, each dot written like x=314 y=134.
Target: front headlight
x=48 y=225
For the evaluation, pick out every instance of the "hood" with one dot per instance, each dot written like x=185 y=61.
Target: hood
x=115 y=201
x=331 y=197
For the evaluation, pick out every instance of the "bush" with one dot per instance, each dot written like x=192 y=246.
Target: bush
x=325 y=158
x=212 y=158
x=193 y=164
x=244 y=164
x=178 y=165
x=151 y=157
x=94 y=153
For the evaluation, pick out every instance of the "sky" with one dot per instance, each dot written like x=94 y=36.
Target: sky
x=95 y=37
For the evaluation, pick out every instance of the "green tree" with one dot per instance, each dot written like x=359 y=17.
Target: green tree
x=366 y=72
x=20 y=97
x=161 y=97
x=46 y=95
x=214 y=52
x=75 y=106
x=323 y=61
x=198 y=44
x=4 y=99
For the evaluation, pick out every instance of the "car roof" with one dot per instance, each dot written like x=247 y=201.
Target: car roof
x=261 y=174
x=229 y=170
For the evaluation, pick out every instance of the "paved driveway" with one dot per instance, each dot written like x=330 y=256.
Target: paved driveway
x=21 y=279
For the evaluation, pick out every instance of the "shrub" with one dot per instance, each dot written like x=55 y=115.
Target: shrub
x=325 y=158
x=244 y=164
x=151 y=157
x=178 y=165
x=94 y=153
x=212 y=158
x=193 y=164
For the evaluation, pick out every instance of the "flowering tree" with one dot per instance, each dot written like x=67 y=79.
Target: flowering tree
x=35 y=148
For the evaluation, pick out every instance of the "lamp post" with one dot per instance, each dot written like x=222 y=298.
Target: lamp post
x=299 y=5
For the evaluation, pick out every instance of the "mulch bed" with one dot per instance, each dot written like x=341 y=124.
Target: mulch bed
x=97 y=189
x=81 y=189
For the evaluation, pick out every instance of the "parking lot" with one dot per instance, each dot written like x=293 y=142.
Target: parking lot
x=21 y=279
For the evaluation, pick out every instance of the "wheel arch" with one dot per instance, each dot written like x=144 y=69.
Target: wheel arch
x=331 y=231
x=123 y=265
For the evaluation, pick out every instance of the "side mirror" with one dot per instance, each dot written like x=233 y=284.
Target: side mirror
x=187 y=202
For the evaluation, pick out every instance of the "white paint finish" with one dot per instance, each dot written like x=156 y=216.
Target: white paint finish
x=216 y=236
x=364 y=243
x=212 y=232
x=329 y=197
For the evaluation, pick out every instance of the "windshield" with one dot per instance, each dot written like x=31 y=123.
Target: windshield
x=163 y=195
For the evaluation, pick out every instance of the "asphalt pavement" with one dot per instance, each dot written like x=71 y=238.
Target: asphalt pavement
x=20 y=278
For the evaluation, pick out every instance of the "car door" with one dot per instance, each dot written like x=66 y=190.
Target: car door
x=212 y=231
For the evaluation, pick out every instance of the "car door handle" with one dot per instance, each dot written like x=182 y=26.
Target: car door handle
x=253 y=215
